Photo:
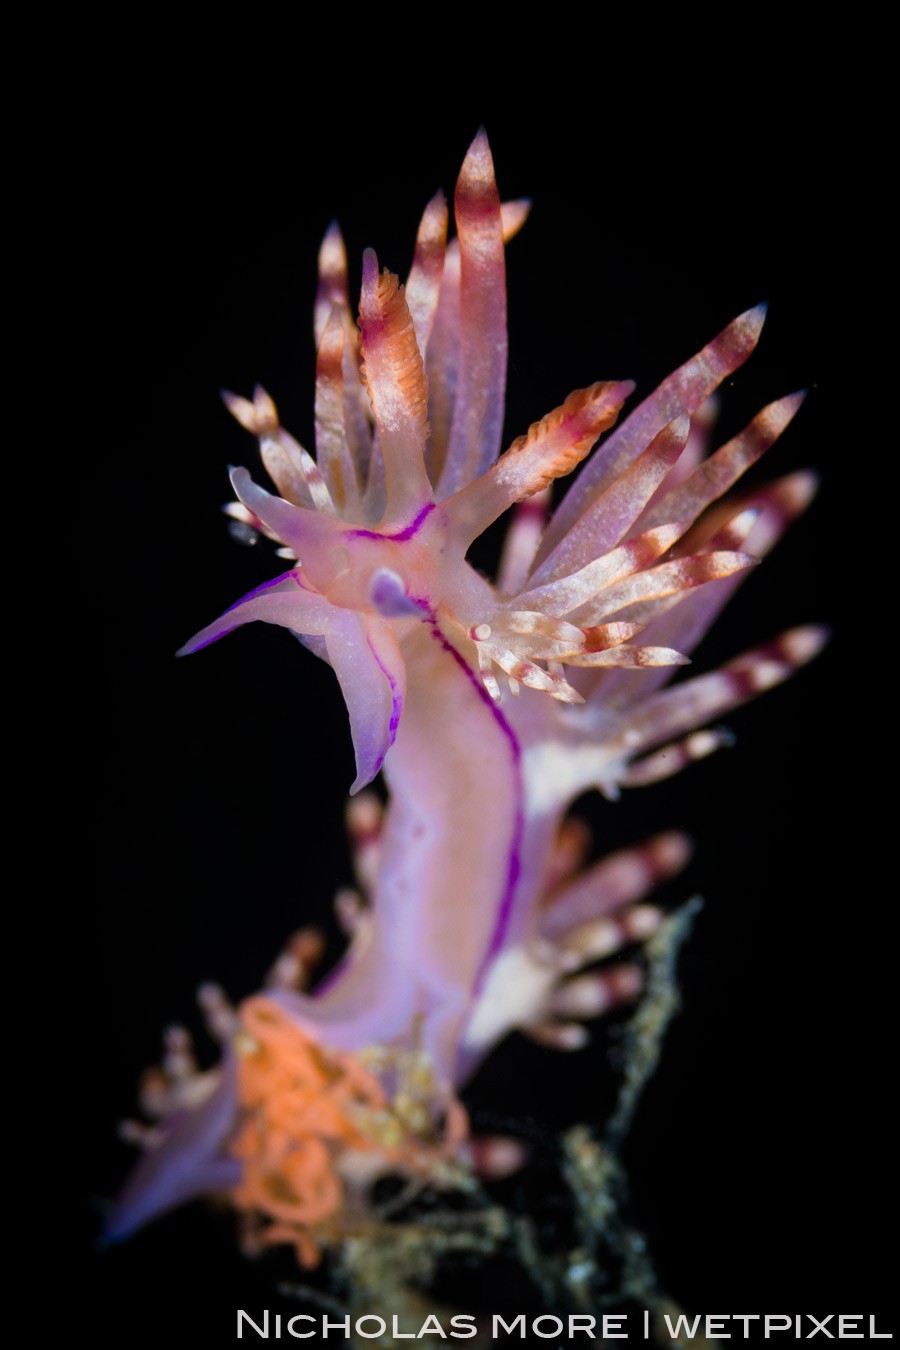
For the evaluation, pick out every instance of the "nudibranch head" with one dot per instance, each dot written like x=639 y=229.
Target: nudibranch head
x=408 y=424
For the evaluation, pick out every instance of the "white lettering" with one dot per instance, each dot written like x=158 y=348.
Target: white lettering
x=682 y=1326
x=715 y=1327
x=575 y=1321
x=548 y=1326
x=612 y=1321
x=245 y=1317
x=370 y=1335
x=301 y=1335
x=547 y=1335
x=509 y=1329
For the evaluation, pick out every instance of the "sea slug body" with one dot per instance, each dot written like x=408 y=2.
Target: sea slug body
x=489 y=708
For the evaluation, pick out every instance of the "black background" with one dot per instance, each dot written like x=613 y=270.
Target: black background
x=215 y=785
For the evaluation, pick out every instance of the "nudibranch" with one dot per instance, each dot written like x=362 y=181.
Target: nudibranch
x=489 y=707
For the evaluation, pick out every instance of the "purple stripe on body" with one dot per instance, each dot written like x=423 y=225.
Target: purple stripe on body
x=293 y=574
x=514 y=863
x=396 y=701
x=266 y=585
x=401 y=536
x=189 y=651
